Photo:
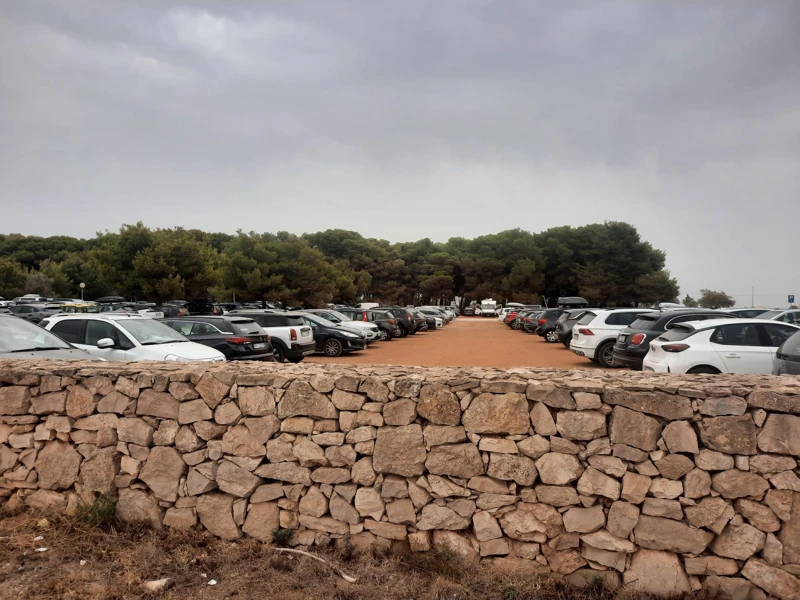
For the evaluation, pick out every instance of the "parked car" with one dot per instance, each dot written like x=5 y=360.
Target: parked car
x=787 y=357
x=386 y=322
x=719 y=346
x=238 y=338
x=791 y=316
x=20 y=339
x=446 y=315
x=529 y=321
x=370 y=330
x=469 y=311
x=332 y=339
x=30 y=312
x=595 y=333
x=420 y=320
x=566 y=322
x=204 y=306
x=430 y=321
x=547 y=324
x=128 y=337
x=439 y=320
x=571 y=302
x=404 y=319
x=291 y=338
x=633 y=343
x=745 y=313
x=171 y=311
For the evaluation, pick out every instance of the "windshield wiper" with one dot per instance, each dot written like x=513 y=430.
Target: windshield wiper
x=164 y=342
x=40 y=348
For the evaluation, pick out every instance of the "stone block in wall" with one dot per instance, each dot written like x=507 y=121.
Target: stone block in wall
x=658 y=533
x=666 y=406
x=558 y=469
x=656 y=572
x=581 y=425
x=739 y=484
x=157 y=404
x=730 y=435
x=438 y=405
x=634 y=429
x=216 y=514
x=780 y=434
x=301 y=399
x=400 y=451
x=497 y=413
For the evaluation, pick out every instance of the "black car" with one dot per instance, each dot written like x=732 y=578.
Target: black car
x=546 y=324
x=204 y=306
x=34 y=313
x=386 y=322
x=238 y=338
x=633 y=343
x=405 y=320
x=566 y=322
x=332 y=339
x=421 y=320
x=529 y=321
x=172 y=311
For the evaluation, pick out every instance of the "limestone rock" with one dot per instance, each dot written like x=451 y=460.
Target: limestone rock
x=300 y=399
x=584 y=520
x=595 y=556
x=235 y=480
x=288 y=472
x=390 y=531
x=723 y=405
x=501 y=445
x=658 y=507
x=362 y=472
x=550 y=395
x=521 y=524
x=509 y=467
x=780 y=434
x=767 y=464
x=81 y=402
x=634 y=429
x=341 y=456
x=739 y=542
x=656 y=572
x=400 y=450
x=57 y=465
x=497 y=413
x=193 y=411
x=774 y=581
x=15 y=400
x=436 y=435
x=710 y=460
x=401 y=512
x=604 y=540
x=263 y=519
x=458 y=460
x=314 y=503
x=790 y=532
x=595 y=483
x=610 y=465
x=369 y=503
x=696 y=484
x=180 y=518
x=458 y=544
x=347 y=400
x=330 y=475
x=587 y=401
x=730 y=435
x=738 y=484
x=441 y=517
x=635 y=487
x=543 y=423
x=98 y=471
x=674 y=466
x=157 y=404
x=135 y=431
x=656 y=533
x=706 y=512
x=558 y=469
x=342 y=510
x=710 y=565
x=212 y=390
x=773 y=401
x=665 y=488
x=486 y=526
x=162 y=472
x=557 y=495
x=137 y=506
x=400 y=412
x=667 y=406
x=582 y=425
x=308 y=453
x=374 y=388
x=534 y=446
x=438 y=405
x=758 y=515
x=622 y=518
x=239 y=441
x=408 y=387
x=55 y=402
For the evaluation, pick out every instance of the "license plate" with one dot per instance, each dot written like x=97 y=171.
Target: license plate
x=622 y=338
x=259 y=345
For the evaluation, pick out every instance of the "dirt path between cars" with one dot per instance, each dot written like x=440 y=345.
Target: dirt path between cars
x=466 y=342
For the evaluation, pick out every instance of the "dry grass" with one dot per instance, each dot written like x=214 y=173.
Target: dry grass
x=118 y=558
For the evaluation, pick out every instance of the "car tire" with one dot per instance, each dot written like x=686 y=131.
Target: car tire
x=605 y=354
x=296 y=359
x=551 y=336
x=567 y=341
x=279 y=353
x=515 y=326
x=703 y=371
x=403 y=331
x=384 y=335
x=332 y=348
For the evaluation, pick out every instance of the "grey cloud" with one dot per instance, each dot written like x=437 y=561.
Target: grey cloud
x=679 y=117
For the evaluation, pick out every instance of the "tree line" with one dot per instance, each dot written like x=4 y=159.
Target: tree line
x=608 y=264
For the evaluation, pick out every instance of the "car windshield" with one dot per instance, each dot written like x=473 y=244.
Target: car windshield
x=676 y=333
x=769 y=314
x=320 y=320
x=17 y=335
x=341 y=316
x=586 y=319
x=150 y=333
x=247 y=327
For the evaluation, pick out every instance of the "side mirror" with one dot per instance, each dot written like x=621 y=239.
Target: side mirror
x=105 y=343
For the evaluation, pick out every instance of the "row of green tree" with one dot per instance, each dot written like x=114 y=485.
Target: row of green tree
x=608 y=264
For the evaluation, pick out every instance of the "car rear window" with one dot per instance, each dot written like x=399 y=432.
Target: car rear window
x=679 y=332
x=246 y=327
x=645 y=321
x=586 y=319
x=295 y=321
x=769 y=314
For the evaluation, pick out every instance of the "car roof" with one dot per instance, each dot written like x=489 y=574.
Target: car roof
x=104 y=316
x=709 y=324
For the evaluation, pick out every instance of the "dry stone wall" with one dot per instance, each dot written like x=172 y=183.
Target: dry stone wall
x=659 y=483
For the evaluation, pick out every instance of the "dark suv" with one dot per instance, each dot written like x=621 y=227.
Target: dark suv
x=566 y=322
x=633 y=343
x=387 y=324
x=546 y=324
x=405 y=320
x=204 y=306
x=238 y=338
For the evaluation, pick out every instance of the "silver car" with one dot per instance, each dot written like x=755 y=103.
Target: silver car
x=787 y=357
x=21 y=339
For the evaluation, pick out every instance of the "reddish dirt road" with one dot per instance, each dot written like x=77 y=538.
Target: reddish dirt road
x=466 y=342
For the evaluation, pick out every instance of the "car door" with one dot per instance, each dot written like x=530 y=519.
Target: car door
x=208 y=335
x=740 y=348
x=69 y=330
x=97 y=330
x=775 y=334
x=319 y=338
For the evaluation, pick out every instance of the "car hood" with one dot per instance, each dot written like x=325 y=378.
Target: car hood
x=65 y=354
x=358 y=325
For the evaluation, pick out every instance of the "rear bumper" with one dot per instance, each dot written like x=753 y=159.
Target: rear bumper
x=265 y=357
x=297 y=350
x=626 y=360
x=353 y=345
x=580 y=350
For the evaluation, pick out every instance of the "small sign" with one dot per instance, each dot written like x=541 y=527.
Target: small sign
x=791 y=298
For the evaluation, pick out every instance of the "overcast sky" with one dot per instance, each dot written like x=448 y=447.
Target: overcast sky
x=413 y=119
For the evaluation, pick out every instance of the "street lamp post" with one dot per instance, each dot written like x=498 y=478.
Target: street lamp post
x=82 y=285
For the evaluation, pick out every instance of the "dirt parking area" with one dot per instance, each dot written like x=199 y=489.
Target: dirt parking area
x=467 y=342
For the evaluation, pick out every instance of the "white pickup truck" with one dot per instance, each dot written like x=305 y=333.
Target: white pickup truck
x=487 y=308
x=291 y=338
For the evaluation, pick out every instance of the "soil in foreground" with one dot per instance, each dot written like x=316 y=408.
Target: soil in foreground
x=112 y=561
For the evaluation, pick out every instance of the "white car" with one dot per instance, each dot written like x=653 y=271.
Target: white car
x=791 y=316
x=718 y=346
x=503 y=312
x=595 y=333
x=128 y=337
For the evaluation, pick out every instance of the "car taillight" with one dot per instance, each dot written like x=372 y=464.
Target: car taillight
x=637 y=339
x=391 y=321
x=238 y=340
x=364 y=316
x=585 y=331
x=542 y=321
x=675 y=347
x=292 y=334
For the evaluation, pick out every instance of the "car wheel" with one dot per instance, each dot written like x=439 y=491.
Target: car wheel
x=332 y=348
x=403 y=331
x=551 y=336
x=605 y=355
x=280 y=355
x=567 y=342
x=383 y=335
x=515 y=326
x=703 y=370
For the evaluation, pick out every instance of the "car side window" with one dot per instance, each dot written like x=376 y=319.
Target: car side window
x=185 y=327
x=310 y=323
x=98 y=330
x=778 y=334
x=736 y=335
x=203 y=329
x=621 y=318
x=69 y=330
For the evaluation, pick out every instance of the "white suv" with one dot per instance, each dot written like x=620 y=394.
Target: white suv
x=128 y=337
x=596 y=332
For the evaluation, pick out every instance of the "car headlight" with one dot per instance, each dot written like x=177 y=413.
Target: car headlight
x=350 y=335
x=176 y=358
